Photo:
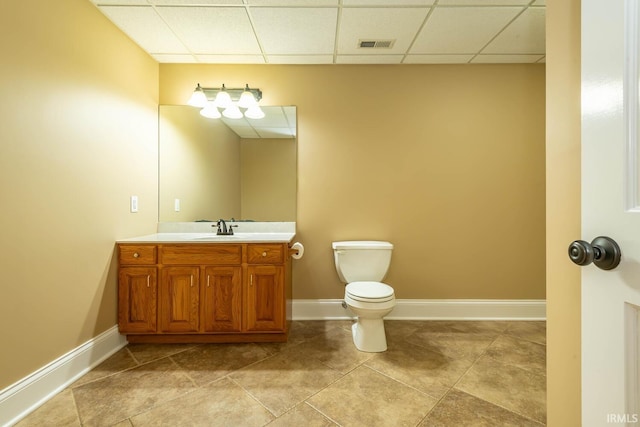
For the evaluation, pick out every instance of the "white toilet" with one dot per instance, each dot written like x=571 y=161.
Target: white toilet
x=362 y=265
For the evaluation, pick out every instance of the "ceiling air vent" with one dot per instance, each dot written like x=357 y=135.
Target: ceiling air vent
x=378 y=44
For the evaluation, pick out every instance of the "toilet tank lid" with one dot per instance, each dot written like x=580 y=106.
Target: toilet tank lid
x=362 y=244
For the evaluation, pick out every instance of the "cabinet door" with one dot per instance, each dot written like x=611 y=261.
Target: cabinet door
x=179 y=299
x=265 y=303
x=222 y=304
x=137 y=289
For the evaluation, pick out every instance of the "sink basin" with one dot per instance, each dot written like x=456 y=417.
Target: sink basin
x=242 y=237
x=215 y=237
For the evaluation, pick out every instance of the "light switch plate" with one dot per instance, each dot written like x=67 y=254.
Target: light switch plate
x=134 y=204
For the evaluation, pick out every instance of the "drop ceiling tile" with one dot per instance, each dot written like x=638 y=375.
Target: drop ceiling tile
x=290 y=31
x=265 y=132
x=236 y=123
x=389 y=3
x=121 y=2
x=483 y=2
x=212 y=30
x=437 y=59
x=194 y=2
x=290 y=114
x=169 y=58
x=506 y=59
x=369 y=59
x=144 y=27
x=462 y=29
x=524 y=35
x=274 y=118
x=312 y=3
x=399 y=24
x=230 y=59
x=245 y=132
x=300 y=59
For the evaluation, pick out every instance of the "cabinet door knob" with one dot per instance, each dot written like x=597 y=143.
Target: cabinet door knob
x=136 y=255
x=264 y=254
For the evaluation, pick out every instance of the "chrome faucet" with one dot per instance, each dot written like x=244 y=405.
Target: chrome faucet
x=223 y=230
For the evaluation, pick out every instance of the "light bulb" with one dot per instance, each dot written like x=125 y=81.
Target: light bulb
x=210 y=111
x=247 y=99
x=232 y=112
x=254 y=112
x=198 y=98
x=223 y=99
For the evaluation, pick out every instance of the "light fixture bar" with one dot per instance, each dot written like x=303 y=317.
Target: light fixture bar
x=229 y=100
x=234 y=93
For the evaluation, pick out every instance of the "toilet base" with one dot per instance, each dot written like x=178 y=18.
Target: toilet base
x=369 y=336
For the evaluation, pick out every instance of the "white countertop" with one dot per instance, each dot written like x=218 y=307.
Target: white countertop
x=255 y=237
x=205 y=232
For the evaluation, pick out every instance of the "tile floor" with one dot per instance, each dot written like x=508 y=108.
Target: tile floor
x=435 y=373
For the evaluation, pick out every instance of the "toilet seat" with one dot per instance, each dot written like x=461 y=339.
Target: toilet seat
x=372 y=292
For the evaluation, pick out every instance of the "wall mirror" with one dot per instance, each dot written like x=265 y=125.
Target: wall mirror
x=227 y=168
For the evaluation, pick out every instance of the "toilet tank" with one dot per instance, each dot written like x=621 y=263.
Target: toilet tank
x=362 y=260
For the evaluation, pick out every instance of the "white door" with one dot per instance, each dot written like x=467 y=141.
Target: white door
x=611 y=207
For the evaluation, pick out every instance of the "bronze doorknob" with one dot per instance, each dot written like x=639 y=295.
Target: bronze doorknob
x=603 y=251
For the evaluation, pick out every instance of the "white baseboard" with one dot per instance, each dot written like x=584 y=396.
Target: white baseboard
x=23 y=397
x=422 y=309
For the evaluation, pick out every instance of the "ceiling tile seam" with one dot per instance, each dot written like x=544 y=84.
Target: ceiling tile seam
x=336 y=37
x=524 y=9
x=193 y=55
x=255 y=33
x=417 y=34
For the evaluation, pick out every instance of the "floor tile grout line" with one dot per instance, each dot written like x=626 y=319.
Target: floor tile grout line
x=478 y=397
x=71 y=386
x=322 y=413
x=133 y=356
x=75 y=406
x=258 y=401
x=401 y=382
x=446 y=393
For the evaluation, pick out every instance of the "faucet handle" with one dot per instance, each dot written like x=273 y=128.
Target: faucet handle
x=231 y=229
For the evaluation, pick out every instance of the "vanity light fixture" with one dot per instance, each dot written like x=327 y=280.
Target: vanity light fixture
x=229 y=100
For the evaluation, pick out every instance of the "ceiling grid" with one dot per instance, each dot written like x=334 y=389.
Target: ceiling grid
x=329 y=31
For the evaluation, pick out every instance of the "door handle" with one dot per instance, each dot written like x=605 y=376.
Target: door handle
x=603 y=251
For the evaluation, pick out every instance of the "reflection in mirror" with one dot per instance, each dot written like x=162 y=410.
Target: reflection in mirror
x=227 y=168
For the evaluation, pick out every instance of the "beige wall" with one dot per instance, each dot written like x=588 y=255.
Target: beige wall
x=199 y=164
x=563 y=212
x=446 y=162
x=78 y=137
x=269 y=179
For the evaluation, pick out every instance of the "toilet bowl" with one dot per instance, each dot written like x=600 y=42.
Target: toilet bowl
x=362 y=265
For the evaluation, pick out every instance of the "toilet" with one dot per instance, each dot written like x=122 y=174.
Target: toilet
x=362 y=265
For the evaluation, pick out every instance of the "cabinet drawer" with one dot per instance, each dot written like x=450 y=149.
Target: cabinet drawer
x=137 y=254
x=198 y=254
x=265 y=254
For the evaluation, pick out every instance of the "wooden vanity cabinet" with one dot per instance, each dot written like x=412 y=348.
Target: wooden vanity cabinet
x=179 y=299
x=222 y=301
x=137 y=289
x=265 y=305
x=219 y=292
